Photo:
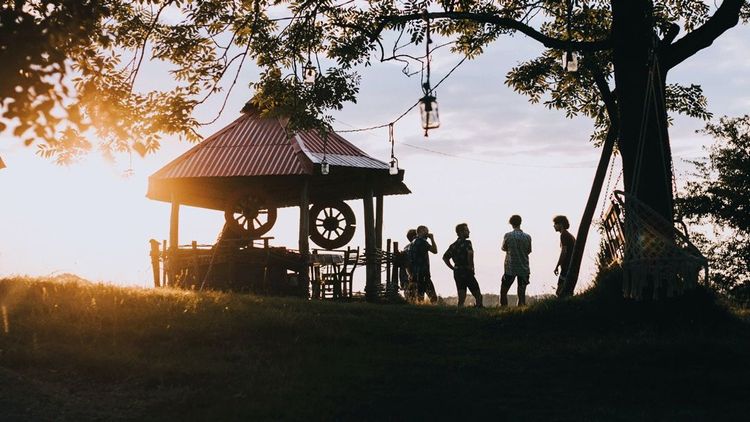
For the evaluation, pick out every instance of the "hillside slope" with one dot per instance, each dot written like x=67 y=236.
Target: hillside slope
x=80 y=351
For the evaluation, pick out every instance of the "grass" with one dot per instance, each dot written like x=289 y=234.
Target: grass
x=81 y=351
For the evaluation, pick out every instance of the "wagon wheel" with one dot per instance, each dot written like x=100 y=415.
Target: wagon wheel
x=246 y=215
x=333 y=224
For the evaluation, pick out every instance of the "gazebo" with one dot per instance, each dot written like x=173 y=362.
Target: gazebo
x=248 y=170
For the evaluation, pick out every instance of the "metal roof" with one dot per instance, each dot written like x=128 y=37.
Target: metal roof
x=257 y=153
x=255 y=146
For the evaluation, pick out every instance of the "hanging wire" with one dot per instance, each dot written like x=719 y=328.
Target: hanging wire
x=390 y=139
x=402 y=115
x=324 y=163
x=129 y=172
x=426 y=85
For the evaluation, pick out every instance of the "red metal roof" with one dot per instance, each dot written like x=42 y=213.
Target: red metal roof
x=255 y=146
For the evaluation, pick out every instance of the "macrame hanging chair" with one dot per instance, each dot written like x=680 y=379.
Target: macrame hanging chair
x=656 y=256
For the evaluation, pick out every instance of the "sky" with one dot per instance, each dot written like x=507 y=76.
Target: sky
x=494 y=155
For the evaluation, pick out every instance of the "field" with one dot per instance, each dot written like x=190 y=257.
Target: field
x=79 y=351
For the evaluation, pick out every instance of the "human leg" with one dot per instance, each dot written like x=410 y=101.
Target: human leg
x=522 y=282
x=459 y=278
x=507 y=281
x=560 y=286
x=421 y=287
x=473 y=286
x=430 y=290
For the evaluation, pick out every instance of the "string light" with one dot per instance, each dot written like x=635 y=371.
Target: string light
x=428 y=107
x=569 y=59
x=309 y=72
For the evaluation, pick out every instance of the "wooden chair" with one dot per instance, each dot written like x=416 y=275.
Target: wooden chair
x=333 y=278
x=346 y=274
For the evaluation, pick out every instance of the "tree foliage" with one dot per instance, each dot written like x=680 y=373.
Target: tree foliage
x=718 y=195
x=77 y=78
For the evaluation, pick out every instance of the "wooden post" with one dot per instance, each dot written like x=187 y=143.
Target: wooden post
x=379 y=232
x=388 y=263
x=165 y=262
x=304 y=232
x=174 y=224
x=196 y=275
x=370 y=254
x=395 y=270
x=155 y=261
x=583 y=229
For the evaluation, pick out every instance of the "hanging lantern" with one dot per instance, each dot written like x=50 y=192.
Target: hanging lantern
x=393 y=168
x=428 y=108
x=570 y=61
x=309 y=72
x=324 y=168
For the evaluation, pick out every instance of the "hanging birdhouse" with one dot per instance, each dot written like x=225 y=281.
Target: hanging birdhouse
x=428 y=108
x=570 y=61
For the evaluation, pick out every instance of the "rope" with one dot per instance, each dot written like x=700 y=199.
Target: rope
x=606 y=189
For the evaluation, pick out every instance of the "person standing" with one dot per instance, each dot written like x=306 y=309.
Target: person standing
x=419 y=251
x=462 y=254
x=406 y=277
x=567 y=242
x=517 y=247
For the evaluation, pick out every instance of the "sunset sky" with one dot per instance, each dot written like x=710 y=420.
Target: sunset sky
x=494 y=155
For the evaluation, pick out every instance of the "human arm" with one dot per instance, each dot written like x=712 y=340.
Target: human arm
x=470 y=256
x=433 y=245
x=447 y=261
x=529 y=251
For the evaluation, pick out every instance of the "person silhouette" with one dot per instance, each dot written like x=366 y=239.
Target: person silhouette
x=517 y=247
x=462 y=254
x=567 y=242
x=420 y=263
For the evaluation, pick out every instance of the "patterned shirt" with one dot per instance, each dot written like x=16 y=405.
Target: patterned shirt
x=459 y=252
x=517 y=247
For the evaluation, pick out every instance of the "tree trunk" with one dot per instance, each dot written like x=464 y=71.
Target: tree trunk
x=644 y=138
x=643 y=144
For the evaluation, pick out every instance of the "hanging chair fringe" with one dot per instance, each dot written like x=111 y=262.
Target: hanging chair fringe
x=658 y=257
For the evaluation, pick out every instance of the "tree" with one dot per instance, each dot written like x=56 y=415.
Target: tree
x=63 y=81
x=718 y=195
x=633 y=43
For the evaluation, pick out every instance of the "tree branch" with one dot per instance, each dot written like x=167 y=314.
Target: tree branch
x=726 y=17
x=610 y=101
x=489 y=18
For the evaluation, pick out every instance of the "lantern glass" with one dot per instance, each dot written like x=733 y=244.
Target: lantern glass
x=324 y=168
x=428 y=109
x=393 y=169
x=309 y=73
x=570 y=61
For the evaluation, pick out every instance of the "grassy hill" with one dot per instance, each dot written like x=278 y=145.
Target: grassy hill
x=80 y=351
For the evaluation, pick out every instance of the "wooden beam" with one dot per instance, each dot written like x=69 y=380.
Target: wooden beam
x=174 y=224
x=371 y=279
x=379 y=231
x=174 y=237
x=155 y=261
x=588 y=214
x=304 y=232
x=304 y=219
